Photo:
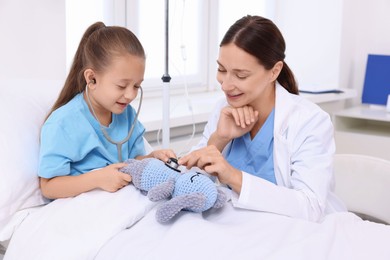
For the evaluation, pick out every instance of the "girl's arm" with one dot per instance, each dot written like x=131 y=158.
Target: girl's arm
x=108 y=178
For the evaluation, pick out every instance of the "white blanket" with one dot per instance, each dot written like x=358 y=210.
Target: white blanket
x=100 y=225
x=76 y=228
x=232 y=233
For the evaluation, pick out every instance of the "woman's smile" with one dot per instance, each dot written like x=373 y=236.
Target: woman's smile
x=233 y=97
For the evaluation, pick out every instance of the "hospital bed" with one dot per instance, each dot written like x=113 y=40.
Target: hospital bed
x=122 y=225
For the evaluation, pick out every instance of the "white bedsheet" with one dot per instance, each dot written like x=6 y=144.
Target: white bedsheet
x=100 y=225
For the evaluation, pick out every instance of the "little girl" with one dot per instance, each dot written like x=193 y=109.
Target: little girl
x=84 y=138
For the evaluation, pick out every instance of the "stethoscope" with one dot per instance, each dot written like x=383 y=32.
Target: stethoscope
x=106 y=135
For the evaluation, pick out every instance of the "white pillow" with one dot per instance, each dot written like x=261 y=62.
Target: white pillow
x=23 y=107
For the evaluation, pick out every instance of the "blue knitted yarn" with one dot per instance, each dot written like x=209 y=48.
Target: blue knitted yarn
x=149 y=173
x=193 y=182
x=156 y=172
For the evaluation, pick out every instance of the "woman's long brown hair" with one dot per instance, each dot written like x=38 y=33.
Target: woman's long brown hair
x=261 y=38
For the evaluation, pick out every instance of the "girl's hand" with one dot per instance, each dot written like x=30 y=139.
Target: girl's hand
x=163 y=154
x=211 y=161
x=111 y=179
x=235 y=122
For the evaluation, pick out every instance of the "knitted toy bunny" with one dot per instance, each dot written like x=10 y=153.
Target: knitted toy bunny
x=190 y=191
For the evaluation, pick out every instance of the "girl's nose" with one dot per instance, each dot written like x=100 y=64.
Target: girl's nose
x=130 y=93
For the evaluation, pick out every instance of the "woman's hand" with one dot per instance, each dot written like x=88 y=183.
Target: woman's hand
x=111 y=179
x=211 y=161
x=233 y=123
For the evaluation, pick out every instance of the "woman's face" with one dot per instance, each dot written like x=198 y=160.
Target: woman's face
x=242 y=78
x=118 y=85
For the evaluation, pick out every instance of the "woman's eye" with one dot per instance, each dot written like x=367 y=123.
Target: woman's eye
x=221 y=70
x=120 y=86
x=242 y=76
x=137 y=86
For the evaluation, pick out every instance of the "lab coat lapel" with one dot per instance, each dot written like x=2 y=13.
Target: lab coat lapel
x=283 y=109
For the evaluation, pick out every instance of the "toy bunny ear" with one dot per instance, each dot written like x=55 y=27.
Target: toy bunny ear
x=192 y=202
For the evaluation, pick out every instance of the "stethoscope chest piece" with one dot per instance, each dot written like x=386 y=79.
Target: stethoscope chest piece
x=173 y=164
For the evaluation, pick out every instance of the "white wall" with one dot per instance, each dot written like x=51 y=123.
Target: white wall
x=312 y=31
x=366 y=30
x=32 y=44
x=328 y=41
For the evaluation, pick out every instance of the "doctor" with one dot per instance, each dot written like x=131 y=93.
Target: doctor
x=273 y=148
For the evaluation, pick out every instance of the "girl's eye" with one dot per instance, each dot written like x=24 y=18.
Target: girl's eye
x=120 y=86
x=221 y=70
x=137 y=86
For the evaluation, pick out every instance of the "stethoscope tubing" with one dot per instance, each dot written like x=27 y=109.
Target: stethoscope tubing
x=106 y=135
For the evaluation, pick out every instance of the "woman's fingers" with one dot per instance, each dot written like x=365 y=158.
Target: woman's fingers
x=244 y=116
x=188 y=160
x=194 y=158
x=201 y=158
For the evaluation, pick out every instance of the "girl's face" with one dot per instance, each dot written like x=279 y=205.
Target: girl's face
x=242 y=78
x=118 y=85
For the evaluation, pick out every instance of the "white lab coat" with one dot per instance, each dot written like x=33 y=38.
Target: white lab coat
x=303 y=162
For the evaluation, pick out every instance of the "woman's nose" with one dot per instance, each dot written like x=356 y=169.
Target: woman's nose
x=226 y=84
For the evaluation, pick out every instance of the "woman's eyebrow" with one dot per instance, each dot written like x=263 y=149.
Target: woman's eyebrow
x=236 y=70
x=241 y=70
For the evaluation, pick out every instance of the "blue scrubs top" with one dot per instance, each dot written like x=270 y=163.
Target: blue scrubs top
x=255 y=156
x=72 y=142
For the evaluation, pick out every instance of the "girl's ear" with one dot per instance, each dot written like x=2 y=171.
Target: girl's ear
x=275 y=71
x=89 y=76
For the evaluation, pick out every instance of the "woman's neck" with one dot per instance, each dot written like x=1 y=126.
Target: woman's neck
x=264 y=105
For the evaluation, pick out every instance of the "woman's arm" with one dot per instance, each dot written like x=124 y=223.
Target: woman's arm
x=303 y=167
x=108 y=178
x=225 y=124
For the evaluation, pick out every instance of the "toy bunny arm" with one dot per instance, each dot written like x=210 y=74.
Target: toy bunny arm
x=193 y=202
x=162 y=191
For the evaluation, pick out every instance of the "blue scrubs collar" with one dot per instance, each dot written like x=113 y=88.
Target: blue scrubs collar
x=255 y=156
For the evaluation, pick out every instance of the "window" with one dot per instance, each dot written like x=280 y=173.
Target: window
x=195 y=30
x=187 y=37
